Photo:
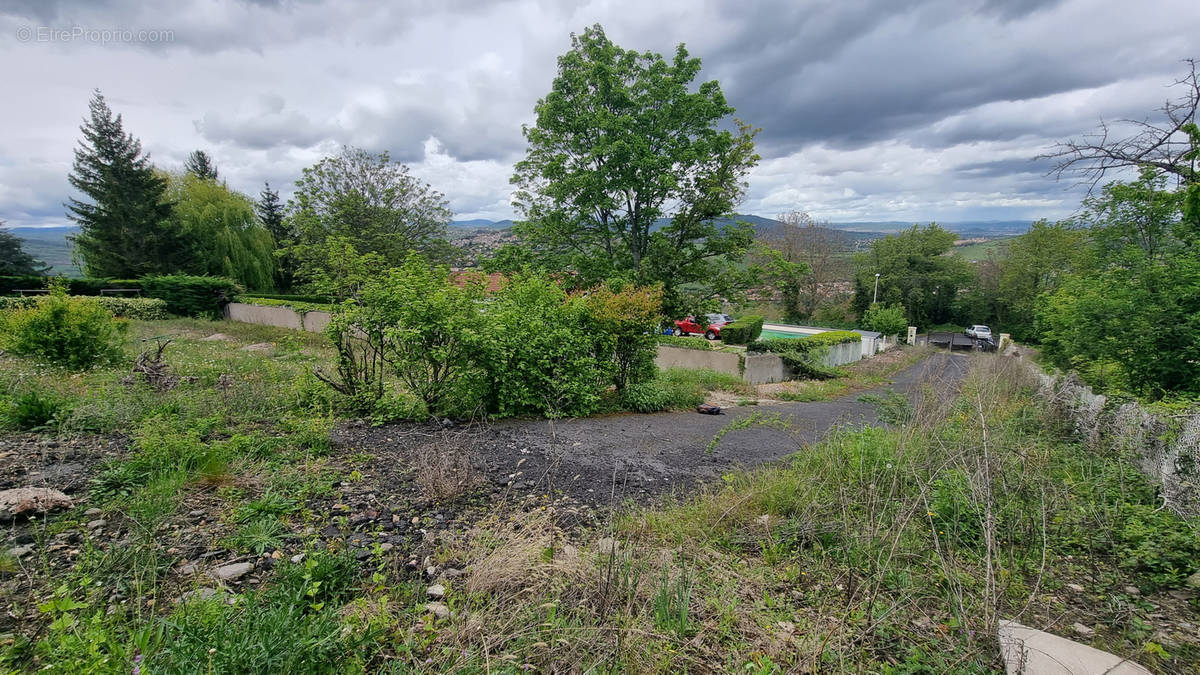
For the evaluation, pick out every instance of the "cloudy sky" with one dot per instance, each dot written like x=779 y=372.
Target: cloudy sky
x=906 y=110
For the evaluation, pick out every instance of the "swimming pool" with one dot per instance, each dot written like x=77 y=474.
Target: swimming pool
x=772 y=331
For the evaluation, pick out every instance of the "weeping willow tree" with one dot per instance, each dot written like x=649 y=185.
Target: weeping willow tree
x=221 y=231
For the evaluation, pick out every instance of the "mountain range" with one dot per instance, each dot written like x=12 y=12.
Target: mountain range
x=50 y=244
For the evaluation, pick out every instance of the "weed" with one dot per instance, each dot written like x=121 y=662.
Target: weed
x=33 y=411
x=259 y=535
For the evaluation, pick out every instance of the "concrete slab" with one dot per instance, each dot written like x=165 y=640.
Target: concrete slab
x=1028 y=651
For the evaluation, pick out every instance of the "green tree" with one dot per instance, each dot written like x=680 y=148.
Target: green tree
x=807 y=265
x=370 y=201
x=886 y=319
x=628 y=168
x=124 y=227
x=14 y=259
x=221 y=232
x=201 y=165
x=270 y=209
x=914 y=271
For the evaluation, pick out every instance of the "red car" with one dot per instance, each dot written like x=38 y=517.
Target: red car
x=712 y=331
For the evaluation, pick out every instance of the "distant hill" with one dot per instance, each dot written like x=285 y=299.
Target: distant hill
x=50 y=245
x=479 y=224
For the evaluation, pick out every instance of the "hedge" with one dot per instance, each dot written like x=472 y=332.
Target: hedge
x=143 y=309
x=803 y=355
x=684 y=342
x=191 y=295
x=742 y=331
x=299 y=306
x=9 y=285
x=309 y=299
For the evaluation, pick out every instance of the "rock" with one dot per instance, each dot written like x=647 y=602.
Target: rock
x=431 y=571
x=259 y=347
x=1027 y=650
x=1075 y=587
x=21 y=551
x=198 y=513
x=452 y=573
x=1082 y=630
x=438 y=609
x=97 y=524
x=186 y=570
x=1194 y=580
x=297 y=559
x=1132 y=590
x=233 y=572
x=215 y=337
x=198 y=594
x=31 y=501
x=436 y=591
x=386 y=546
x=607 y=546
x=92 y=512
x=362 y=554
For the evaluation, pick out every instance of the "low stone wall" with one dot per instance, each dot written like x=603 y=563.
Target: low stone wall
x=281 y=317
x=1165 y=448
x=764 y=368
x=840 y=355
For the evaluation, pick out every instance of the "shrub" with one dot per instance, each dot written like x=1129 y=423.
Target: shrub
x=647 y=397
x=298 y=305
x=185 y=295
x=539 y=356
x=886 y=319
x=31 y=411
x=803 y=355
x=684 y=343
x=86 y=286
x=742 y=331
x=75 y=333
x=629 y=316
x=143 y=309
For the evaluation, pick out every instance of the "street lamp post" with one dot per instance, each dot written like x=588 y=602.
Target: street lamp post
x=875 y=298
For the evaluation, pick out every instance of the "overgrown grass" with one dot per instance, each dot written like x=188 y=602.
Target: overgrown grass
x=879 y=550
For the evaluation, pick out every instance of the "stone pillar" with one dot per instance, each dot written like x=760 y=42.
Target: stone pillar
x=912 y=335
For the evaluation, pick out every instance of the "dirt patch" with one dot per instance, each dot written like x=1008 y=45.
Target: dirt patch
x=600 y=461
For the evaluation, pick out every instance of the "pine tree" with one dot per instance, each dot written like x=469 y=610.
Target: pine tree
x=124 y=230
x=201 y=165
x=270 y=212
x=14 y=259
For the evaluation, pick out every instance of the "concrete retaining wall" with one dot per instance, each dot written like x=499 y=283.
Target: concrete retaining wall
x=752 y=368
x=281 y=317
x=696 y=359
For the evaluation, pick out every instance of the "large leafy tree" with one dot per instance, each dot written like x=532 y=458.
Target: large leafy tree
x=14 y=259
x=914 y=271
x=124 y=225
x=220 y=231
x=370 y=201
x=628 y=166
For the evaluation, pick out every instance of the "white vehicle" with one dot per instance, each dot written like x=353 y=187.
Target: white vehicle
x=979 y=332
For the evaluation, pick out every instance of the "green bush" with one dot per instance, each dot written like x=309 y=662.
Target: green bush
x=289 y=298
x=31 y=411
x=203 y=297
x=143 y=309
x=886 y=319
x=742 y=331
x=75 y=333
x=803 y=355
x=647 y=397
x=298 y=305
x=87 y=286
x=684 y=342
